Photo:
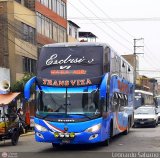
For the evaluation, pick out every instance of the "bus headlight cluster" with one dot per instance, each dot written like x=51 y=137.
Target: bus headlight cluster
x=64 y=135
x=40 y=128
x=94 y=128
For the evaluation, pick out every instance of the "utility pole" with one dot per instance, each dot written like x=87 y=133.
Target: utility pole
x=135 y=57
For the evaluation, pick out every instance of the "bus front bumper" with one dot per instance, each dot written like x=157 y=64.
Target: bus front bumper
x=79 y=138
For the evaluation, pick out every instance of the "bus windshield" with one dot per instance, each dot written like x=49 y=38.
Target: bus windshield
x=67 y=101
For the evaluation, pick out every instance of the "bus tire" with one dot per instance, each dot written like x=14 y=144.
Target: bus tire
x=128 y=128
x=54 y=145
x=111 y=130
x=107 y=141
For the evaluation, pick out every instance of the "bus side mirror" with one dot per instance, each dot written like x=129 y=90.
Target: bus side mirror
x=27 y=88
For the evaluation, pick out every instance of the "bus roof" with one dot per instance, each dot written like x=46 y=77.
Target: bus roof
x=72 y=44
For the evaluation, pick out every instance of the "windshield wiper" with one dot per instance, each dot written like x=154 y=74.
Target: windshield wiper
x=43 y=117
x=82 y=115
x=47 y=116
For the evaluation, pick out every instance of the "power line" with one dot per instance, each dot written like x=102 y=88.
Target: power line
x=18 y=31
x=149 y=70
x=107 y=24
x=24 y=44
x=104 y=31
x=101 y=29
x=16 y=44
x=109 y=19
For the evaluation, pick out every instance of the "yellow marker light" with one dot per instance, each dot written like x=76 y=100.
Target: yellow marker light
x=72 y=135
x=56 y=134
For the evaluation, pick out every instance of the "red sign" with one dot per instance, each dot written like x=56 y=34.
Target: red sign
x=68 y=72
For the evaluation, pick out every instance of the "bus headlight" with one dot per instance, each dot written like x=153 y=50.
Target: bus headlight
x=40 y=128
x=94 y=128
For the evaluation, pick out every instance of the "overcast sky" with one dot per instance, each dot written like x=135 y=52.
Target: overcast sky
x=118 y=22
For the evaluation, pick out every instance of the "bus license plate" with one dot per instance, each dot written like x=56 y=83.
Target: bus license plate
x=65 y=141
x=141 y=122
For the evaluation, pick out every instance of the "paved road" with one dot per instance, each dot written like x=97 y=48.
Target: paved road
x=138 y=140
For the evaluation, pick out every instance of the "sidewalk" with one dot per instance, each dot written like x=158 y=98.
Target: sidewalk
x=27 y=134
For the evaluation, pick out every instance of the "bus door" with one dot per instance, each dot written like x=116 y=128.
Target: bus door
x=119 y=113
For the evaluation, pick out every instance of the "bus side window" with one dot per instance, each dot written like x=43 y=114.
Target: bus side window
x=85 y=99
x=114 y=102
x=126 y=100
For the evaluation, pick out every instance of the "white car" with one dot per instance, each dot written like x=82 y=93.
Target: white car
x=158 y=111
x=146 y=116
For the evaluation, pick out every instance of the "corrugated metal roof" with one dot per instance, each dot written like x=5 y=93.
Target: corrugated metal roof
x=7 y=98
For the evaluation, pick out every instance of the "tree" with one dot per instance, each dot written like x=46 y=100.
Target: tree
x=19 y=85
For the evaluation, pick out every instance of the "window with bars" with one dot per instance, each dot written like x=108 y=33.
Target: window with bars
x=28 y=33
x=29 y=65
x=50 y=29
x=57 y=6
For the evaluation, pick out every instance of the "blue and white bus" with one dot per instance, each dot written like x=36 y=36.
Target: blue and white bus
x=84 y=94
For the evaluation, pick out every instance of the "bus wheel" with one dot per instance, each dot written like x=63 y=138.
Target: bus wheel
x=55 y=145
x=105 y=143
x=128 y=128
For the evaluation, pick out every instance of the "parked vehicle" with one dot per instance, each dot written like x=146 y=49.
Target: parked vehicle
x=10 y=124
x=146 y=116
x=142 y=98
x=158 y=111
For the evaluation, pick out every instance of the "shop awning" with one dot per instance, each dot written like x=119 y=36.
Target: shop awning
x=7 y=98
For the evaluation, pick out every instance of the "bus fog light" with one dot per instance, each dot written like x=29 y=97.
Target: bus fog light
x=93 y=136
x=61 y=135
x=56 y=134
x=66 y=135
x=39 y=135
x=72 y=135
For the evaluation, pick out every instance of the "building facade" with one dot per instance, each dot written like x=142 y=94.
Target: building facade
x=51 y=21
x=87 y=37
x=18 y=45
x=25 y=26
x=72 y=31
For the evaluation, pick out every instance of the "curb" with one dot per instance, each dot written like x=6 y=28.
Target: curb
x=27 y=134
